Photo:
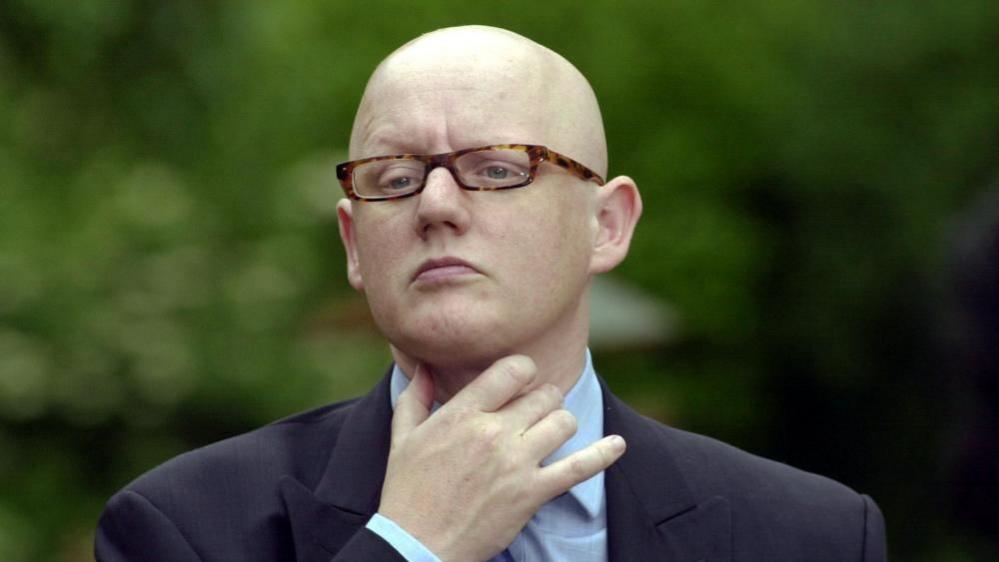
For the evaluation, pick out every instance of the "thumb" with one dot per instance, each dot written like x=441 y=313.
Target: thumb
x=413 y=406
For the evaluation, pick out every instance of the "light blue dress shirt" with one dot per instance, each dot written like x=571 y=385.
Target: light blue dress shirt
x=571 y=527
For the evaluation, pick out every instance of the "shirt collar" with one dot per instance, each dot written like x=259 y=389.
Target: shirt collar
x=585 y=402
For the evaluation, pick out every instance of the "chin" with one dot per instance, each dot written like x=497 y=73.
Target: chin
x=455 y=339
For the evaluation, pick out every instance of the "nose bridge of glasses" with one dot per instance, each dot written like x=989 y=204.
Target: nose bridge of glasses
x=445 y=161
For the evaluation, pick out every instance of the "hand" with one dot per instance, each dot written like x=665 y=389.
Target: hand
x=465 y=481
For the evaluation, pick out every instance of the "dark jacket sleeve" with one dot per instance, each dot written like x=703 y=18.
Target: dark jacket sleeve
x=875 y=545
x=367 y=545
x=133 y=529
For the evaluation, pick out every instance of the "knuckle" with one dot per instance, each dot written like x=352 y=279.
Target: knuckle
x=520 y=495
x=606 y=457
x=488 y=431
x=509 y=464
x=448 y=420
x=458 y=413
x=578 y=468
x=545 y=399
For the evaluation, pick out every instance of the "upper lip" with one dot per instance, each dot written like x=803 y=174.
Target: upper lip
x=441 y=262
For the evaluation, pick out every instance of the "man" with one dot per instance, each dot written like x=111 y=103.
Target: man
x=477 y=217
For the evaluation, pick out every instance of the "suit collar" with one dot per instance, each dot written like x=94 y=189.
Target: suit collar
x=323 y=519
x=652 y=510
x=353 y=477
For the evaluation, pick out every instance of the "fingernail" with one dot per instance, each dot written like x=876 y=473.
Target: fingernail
x=617 y=443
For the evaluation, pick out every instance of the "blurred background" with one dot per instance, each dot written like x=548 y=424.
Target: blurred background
x=815 y=278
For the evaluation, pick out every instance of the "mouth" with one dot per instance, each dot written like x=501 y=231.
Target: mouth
x=443 y=270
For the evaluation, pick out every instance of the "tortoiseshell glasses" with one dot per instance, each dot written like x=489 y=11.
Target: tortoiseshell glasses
x=486 y=168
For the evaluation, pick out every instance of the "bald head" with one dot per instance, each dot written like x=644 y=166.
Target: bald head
x=457 y=279
x=469 y=86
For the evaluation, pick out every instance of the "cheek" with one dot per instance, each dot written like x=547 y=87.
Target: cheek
x=553 y=246
x=379 y=250
x=569 y=226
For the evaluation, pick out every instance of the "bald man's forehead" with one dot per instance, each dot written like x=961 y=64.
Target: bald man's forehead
x=474 y=82
x=448 y=101
x=451 y=113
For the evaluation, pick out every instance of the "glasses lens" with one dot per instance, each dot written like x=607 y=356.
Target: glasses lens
x=494 y=169
x=388 y=178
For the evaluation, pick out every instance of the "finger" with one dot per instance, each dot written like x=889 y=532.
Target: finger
x=497 y=385
x=544 y=437
x=527 y=409
x=413 y=405
x=559 y=476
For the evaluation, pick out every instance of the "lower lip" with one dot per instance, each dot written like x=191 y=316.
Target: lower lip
x=445 y=273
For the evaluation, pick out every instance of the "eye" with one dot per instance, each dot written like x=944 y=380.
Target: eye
x=497 y=172
x=399 y=178
x=500 y=172
x=399 y=183
x=494 y=168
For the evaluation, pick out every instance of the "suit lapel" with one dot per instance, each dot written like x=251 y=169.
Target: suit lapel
x=652 y=513
x=347 y=493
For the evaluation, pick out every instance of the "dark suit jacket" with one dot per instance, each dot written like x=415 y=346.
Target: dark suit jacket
x=303 y=488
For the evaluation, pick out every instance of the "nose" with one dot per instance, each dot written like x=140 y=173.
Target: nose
x=442 y=205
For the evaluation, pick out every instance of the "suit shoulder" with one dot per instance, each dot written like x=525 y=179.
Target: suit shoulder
x=293 y=446
x=774 y=510
x=224 y=500
x=771 y=489
x=317 y=414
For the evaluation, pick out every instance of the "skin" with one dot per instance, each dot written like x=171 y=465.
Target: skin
x=499 y=341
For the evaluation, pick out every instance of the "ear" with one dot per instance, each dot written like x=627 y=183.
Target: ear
x=345 y=217
x=618 y=206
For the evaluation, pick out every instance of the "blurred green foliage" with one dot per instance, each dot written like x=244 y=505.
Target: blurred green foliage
x=170 y=271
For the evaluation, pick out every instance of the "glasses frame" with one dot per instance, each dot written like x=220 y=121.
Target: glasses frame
x=536 y=152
